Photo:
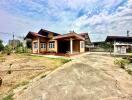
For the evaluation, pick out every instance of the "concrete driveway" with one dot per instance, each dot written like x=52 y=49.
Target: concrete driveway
x=88 y=77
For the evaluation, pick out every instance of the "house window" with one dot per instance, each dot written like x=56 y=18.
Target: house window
x=51 y=45
x=82 y=44
x=43 y=45
x=35 y=45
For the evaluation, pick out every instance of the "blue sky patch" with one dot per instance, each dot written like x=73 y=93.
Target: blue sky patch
x=105 y=17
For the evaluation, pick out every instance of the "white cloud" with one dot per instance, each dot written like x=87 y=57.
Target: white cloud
x=104 y=23
x=18 y=25
x=62 y=16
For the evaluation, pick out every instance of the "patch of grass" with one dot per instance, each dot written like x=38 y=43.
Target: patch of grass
x=36 y=57
x=65 y=60
x=8 y=97
x=62 y=59
x=18 y=85
x=48 y=61
x=1 y=55
x=43 y=76
x=24 y=88
x=129 y=72
x=121 y=62
x=2 y=59
x=24 y=83
x=33 y=76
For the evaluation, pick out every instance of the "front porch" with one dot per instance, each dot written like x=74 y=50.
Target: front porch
x=70 y=43
x=62 y=47
x=69 y=46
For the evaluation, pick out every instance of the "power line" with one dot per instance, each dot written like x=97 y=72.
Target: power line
x=11 y=34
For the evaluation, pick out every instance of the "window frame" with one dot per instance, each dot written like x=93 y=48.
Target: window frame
x=43 y=45
x=51 y=44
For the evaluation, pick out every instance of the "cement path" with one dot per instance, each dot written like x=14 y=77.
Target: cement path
x=88 y=77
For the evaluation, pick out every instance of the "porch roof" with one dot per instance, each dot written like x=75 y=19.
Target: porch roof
x=68 y=36
x=30 y=35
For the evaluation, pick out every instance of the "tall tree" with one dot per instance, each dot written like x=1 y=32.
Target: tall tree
x=29 y=44
x=1 y=45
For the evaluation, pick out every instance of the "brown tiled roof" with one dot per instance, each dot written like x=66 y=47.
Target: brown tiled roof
x=44 y=30
x=33 y=34
x=36 y=34
x=69 y=35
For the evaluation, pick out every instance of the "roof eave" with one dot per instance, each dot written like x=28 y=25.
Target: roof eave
x=70 y=36
x=30 y=35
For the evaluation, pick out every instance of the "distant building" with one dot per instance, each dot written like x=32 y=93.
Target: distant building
x=14 y=43
x=122 y=44
x=97 y=44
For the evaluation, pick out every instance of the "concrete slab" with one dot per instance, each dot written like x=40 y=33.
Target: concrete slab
x=91 y=77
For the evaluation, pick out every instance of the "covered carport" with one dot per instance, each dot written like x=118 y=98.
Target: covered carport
x=69 y=43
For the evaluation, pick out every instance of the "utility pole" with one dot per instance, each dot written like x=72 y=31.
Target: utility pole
x=13 y=44
x=128 y=33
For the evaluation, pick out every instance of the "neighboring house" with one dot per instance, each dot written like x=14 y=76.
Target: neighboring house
x=88 y=44
x=50 y=42
x=14 y=43
x=122 y=44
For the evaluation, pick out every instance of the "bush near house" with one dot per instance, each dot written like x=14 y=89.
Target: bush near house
x=8 y=97
x=1 y=45
x=22 y=50
x=7 y=50
x=106 y=46
x=125 y=64
x=121 y=62
x=103 y=47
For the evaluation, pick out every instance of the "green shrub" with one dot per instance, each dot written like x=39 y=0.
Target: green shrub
x=43 y=76
x=121 y=62
x=65 y=60
x=1 y=45
x=129 y=71
x=23 y=50
x=19 y=50
x=8 y=97
x=7 y=50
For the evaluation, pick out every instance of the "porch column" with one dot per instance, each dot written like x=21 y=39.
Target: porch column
x=71 y=45
x=38 y=45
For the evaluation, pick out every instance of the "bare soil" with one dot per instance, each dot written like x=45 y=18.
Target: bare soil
x=23 y=68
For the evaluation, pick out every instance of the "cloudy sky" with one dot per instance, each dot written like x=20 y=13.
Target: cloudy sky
x=97 y=17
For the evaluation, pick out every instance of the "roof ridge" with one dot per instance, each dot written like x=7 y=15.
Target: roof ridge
x=48 y=31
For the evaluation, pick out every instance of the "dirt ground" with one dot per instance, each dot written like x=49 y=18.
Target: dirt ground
x=23 y=68
x=92 y=76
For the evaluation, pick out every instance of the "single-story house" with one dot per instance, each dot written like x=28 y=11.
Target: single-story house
x=50 y=42
x=122 y=44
